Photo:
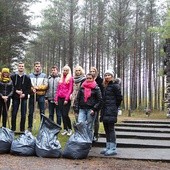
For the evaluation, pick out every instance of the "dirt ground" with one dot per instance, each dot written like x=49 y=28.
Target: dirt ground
x=10 y=162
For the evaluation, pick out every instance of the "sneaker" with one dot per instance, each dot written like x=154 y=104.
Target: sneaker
x=64 y=132
x=69 y=133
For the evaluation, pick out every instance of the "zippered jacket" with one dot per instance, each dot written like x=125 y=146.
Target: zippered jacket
x=40 y=80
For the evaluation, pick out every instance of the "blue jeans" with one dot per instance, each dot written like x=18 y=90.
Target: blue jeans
x=85 y=116
x=15 y=107
x=54 y=108
x=41 y=104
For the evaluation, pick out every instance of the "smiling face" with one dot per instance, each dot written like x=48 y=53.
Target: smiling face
x=108 y=77
x=89 y=78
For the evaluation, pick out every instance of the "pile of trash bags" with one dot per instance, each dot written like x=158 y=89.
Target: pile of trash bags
x=46 y=143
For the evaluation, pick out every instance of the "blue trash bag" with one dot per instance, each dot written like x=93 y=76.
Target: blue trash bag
x=47 y=144
x=24 y=145
x=79 y=144
x=6 y=138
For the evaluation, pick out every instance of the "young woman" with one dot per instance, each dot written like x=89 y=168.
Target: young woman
x=89 y=100
x=6 y=91
x=79 y=78
x=99 y=81
x=62 y=98
x=111 y=101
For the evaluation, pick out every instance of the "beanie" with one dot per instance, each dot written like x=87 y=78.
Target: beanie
x=5 y=70
x=111 y=72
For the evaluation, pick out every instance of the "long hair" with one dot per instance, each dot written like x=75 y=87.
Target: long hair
x=96 y=71
x=79 y=68
x=68 y=76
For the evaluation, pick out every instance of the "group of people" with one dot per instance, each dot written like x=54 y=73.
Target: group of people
x=91 y=98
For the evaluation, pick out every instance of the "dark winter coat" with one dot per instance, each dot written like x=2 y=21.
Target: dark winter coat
x=94 y=102
x=99 y=82
x=6 y=89
x=21 y=83
x=111 y=101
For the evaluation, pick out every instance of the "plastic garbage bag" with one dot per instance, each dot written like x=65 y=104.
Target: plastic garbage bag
x=79 y=144
x=6 y=138
x=24 y=145
x=47 y=144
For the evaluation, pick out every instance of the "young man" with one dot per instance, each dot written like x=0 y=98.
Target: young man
x=22 y=87
x=53 y=80
x=38 y=90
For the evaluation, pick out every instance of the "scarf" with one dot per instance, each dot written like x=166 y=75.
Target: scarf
x=78 y=79
x=4 y=79
x=88 y=86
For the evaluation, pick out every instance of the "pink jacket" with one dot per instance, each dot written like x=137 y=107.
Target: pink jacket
x=64 y=90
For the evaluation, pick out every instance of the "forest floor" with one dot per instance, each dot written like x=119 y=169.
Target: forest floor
x=10 y=162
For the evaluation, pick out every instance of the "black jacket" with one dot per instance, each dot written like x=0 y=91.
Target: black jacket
x=21 y=83
x=6 y=89
x=94 y=102
x=111 y=101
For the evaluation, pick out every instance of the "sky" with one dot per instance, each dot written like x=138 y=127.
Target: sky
x=36 y=9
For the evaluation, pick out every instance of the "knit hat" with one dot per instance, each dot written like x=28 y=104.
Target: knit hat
x=5 y=70
x=111 y=72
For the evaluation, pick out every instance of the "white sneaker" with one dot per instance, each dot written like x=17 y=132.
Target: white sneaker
x=69 y=133
x=64 y=132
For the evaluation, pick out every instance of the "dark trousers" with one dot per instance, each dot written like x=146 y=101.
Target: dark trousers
x=110 y=132
x=15 y=107
x=54 y=108
x=64 y=110
x=41 y=105
x=3 y=111
x=96 y=124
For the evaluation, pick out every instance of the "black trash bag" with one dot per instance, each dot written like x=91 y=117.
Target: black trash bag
x=47 y=145
x=24 y=145
x=79 y=144
x=6 y=138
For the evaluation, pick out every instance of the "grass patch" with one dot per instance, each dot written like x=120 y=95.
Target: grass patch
x=135 y=115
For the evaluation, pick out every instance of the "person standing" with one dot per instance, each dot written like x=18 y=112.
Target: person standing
x=6 y=91
x=39 y=86
x=79 y=78
x=53 y=80
x=62 y=98
x=89 y=100
x=111 y=101
x=99 y=81
x=22 y=87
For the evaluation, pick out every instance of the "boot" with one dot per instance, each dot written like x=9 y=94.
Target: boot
x=106 y=149
x=112 y=150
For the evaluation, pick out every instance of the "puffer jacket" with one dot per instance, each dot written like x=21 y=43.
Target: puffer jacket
x=40 y=80
x=111 y=101
x=52 y=87
x=94 y=102
x=6 y=89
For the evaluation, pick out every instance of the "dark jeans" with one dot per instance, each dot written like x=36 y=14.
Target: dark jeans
x=15 y=107
x=110 y=132
x=3 y=111
x=54 y=108
x=96 y=124
x=41 y=105
x=64 y=110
